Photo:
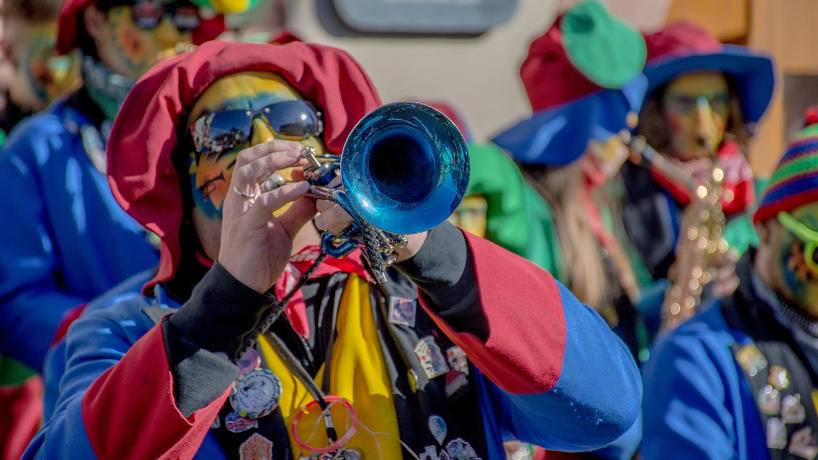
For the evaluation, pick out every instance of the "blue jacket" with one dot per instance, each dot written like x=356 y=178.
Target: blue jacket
x=116 y=390
x=65 y=239
x=698 y=402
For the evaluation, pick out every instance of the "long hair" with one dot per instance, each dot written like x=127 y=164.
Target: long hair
x=583 y=264
x=654 y=127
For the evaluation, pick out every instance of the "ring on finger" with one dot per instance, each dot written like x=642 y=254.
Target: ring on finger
x=273 y=182
x=246 y=196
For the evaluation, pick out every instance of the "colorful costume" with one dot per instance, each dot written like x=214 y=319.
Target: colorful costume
x=467 y=343
x=653 y=203
x=738 y=379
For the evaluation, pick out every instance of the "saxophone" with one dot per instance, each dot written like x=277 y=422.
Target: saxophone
x=701 y=242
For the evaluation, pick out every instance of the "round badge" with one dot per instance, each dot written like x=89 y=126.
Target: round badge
x=256 y=394
x=249 y=360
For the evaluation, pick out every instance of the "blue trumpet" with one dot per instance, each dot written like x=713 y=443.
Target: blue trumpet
x=404 y=169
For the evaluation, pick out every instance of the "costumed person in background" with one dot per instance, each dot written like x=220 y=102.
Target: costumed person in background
x=433 y=362
x=738 y=380
x=582 y=83
x=66 y=240
x=703 y=100
x=39 y=75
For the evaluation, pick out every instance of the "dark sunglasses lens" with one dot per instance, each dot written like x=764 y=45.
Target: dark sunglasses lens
x=186 y=18
x=222 y=131
x=293 y=119
x=147 y=14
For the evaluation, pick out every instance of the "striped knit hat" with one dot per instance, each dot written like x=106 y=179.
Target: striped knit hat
x=795 y=180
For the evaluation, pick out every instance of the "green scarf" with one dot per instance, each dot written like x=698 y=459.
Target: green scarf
x=106 y=88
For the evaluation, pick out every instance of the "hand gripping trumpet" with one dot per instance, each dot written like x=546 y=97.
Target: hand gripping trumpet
x=404 y=169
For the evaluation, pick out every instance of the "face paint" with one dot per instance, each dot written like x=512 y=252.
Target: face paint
x=470 y=215
x=130 y=50
x=696 y=109
x=608 y=156
x=210 y=174
x=797 y=282
x=40 y=75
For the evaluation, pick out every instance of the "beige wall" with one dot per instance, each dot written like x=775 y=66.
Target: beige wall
x=479 y=75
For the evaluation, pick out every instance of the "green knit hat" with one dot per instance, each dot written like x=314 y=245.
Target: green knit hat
x=794 y=182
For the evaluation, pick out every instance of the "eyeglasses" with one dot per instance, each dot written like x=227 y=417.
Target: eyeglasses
x=805 y=234
x=220 y=132
x=148 y=14
x=683 y=103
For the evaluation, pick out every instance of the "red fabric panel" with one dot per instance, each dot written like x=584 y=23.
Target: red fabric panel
x=549 y=77
x=21 y=409
x=67 y=319
x=133 y=401
x=523 y=307
x=144 y=135
x=680 y=39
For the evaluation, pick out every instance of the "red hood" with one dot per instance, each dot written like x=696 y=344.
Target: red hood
x=144 y=134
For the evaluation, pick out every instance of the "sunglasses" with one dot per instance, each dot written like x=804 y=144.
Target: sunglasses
x=682 y=103
x=805 y=234
x=148 y=14
x=219 y=132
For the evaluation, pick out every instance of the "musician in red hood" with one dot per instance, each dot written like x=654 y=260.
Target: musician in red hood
x=467 y=344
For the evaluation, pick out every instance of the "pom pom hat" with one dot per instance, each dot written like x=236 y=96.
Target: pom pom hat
x=794 y=182
x=582 y=78
x=144 y=136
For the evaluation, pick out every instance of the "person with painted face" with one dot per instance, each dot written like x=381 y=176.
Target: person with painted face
x=66 y=240
x=435 y=363
x=39 y=75
x=703 y=100
x=739 y=379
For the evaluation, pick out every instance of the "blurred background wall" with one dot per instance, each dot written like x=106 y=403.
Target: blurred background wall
x=479 y=73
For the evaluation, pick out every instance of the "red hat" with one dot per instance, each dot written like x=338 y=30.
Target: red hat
x=684 y=47
x=71 y=14
x=144 y=135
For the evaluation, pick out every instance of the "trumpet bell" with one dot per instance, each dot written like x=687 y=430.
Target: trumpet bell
x=405 y=167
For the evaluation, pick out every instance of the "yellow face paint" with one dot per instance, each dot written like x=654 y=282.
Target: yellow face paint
x=40 y=75
x=471 y=215
x=796 y=279
x=696 y=107
x=210 y=174
x=608 y=155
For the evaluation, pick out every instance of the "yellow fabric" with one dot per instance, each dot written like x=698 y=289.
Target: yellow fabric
x=358 y=374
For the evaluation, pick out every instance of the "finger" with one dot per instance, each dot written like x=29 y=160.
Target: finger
x=323 y=205
x=257 y=151
x=301 y=211
x=334 y=220
x=269 y=202
x=255 y=172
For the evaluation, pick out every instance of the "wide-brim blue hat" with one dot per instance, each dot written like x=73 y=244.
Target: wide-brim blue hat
x=683 y=47
x=560 y=135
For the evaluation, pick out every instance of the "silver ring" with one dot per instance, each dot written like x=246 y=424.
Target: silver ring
x=273 y=182
x=246 y=196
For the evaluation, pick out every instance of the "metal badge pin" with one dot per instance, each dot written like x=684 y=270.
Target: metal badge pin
x=249 y=361
x=792 y=411
x=779 y=377
x=776 y=434
x=769 y=400
x=256 y=394
x=802 y=444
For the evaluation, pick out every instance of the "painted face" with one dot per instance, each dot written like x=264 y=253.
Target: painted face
x=608 y=156
x=470 y=215
x=134 y=38
x=211 y=171
x=40 y=75
x=796 y=281
x=696 y=109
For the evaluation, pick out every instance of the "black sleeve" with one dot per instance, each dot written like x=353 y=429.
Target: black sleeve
x=444 y=272
x=205 y=331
